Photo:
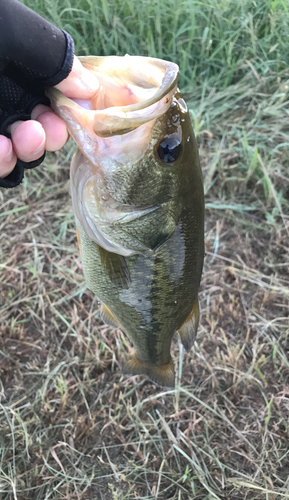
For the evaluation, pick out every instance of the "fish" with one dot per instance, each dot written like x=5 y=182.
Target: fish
x=138 y=200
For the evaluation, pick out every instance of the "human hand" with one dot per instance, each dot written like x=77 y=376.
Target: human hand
x=45 y=130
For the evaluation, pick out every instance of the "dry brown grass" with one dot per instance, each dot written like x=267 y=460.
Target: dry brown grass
x=71 y=427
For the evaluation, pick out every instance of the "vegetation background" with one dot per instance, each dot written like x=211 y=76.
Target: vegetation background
x=70 y=426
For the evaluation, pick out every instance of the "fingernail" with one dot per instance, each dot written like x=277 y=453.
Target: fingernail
x=9 y=155
x=13 y=126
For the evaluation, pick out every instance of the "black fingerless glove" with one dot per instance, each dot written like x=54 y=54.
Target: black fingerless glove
x=34 y=55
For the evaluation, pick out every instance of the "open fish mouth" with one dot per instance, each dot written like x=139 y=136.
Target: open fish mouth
x=133 y=90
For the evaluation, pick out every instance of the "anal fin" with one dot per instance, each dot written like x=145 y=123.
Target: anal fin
x=161 y=375
x=108 y=318
x=188 y=330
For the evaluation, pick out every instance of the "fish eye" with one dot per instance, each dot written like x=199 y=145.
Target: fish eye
x=170 y=148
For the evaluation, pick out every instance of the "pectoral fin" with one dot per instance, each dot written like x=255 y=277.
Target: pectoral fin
x=78 y=240
x=161 y=375
x=108 y=318
x=188 y=330
x=116 y=266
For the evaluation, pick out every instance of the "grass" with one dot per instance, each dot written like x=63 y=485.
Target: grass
x=212 y=39
x=71 y=427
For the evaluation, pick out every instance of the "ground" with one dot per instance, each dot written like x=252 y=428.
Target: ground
x=71 y=426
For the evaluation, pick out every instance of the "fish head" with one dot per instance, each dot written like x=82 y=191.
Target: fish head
x=137 y=147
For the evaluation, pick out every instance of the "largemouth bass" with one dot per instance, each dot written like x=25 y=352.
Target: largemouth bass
x=138 y=201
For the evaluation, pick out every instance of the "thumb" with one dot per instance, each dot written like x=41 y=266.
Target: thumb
x=80 y=83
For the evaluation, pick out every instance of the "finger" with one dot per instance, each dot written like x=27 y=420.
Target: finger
x=7 y=156
x=55 y=129
x=28 y=139
x=80 y=83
